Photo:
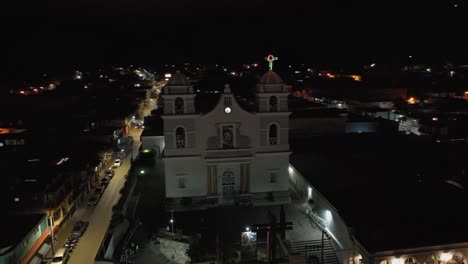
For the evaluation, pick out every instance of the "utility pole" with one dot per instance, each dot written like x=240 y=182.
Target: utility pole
x=51 y=226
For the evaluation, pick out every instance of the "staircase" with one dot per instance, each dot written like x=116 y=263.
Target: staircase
x=310 y=251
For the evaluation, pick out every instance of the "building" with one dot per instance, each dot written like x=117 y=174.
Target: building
x=227 y=155
x=22 y=237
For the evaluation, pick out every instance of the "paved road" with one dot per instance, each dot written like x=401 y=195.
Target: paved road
x=99 y=216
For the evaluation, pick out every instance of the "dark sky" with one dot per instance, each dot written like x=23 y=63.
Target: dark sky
x=65 y=34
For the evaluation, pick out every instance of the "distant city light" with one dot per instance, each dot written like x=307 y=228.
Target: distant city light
x=17 y=199
x=411 y=100
x=410 y=56
x=372 y=65
x=142 y=172
x=435 y=119
x=168 y=75
x=397 y=261
x=445 y=257
x=247 y=229
x=137 y=85
x=428 y=69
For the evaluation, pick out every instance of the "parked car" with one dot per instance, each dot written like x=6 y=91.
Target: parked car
x=79 y=228
x=100 y=189
x=94 y=199
x=104 y=182
x=117 y=163
x=110 y=173
x=61 y=256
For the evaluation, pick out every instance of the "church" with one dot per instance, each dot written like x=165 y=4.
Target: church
x=227 y=156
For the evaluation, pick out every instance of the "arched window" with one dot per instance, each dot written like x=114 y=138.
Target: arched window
x=180 y=137
x=273 y=104
x=179 y=106
x=411 y=260
x=273 y=134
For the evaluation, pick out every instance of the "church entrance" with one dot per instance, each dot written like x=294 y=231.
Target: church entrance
x=228 y=185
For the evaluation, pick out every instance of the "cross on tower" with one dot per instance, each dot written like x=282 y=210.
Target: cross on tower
x=271 y=59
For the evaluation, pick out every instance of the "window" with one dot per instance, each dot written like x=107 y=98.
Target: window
x=181 y=182
x=179 y=106
x=227 y=101
x=229 y=184
x=227 y=134
x=273 y=177
x=273 y=104
x=180 y=137
x=273 y=134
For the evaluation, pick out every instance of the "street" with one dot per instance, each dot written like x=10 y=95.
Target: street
x=99 y=216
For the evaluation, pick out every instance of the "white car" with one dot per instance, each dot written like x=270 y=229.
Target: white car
x=117 y=163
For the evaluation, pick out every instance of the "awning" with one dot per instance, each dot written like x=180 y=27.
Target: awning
x=44 y=249
x=36 y=260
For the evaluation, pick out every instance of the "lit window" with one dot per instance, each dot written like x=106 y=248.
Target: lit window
x=180 y=137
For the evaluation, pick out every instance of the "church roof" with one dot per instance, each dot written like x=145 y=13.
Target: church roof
x=178 y=79
x=271 y=77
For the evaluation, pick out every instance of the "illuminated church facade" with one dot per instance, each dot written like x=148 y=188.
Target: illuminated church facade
x=228 y=156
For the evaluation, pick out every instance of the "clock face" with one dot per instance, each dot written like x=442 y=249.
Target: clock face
x=227 y=110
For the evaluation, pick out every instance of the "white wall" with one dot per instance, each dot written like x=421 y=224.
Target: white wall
x=260 y=173
x=194 y=171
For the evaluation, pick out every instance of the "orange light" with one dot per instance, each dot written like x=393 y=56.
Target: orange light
x=411 y=100
x=466 y=93
x=22 y=92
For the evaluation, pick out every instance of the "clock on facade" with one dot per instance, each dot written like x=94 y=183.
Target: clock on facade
x=227 y=110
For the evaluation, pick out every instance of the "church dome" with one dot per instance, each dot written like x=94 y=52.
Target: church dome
x=178 y=79
x=270 y=77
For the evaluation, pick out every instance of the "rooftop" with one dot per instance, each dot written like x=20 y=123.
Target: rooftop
x=18 y=227
x=393 y=192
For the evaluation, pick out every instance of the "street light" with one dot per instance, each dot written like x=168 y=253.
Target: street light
x=142 y=172
x=172 y=222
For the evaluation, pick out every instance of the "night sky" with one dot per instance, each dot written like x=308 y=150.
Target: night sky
x=66 y=34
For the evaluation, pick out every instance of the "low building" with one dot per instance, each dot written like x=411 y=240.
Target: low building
x=22 y=238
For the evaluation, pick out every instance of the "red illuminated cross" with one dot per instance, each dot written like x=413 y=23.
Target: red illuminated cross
x=271 y=59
